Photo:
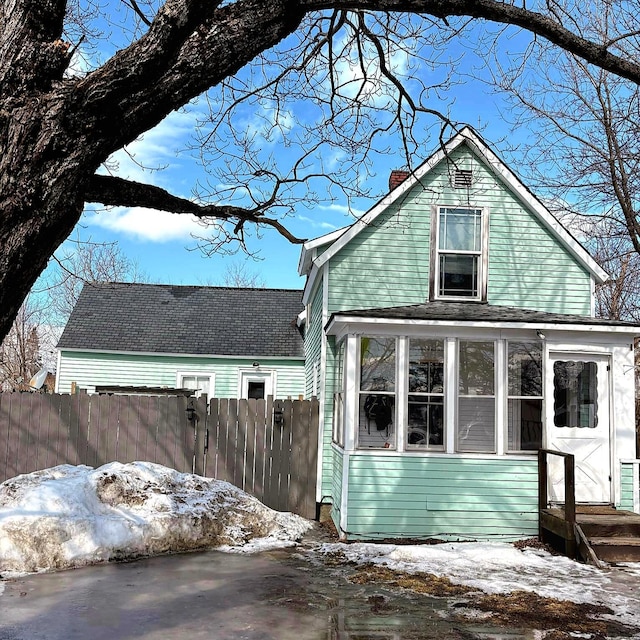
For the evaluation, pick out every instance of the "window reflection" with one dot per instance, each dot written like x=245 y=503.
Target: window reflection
x=426 y=393
x=575 y=401
x=377 y=393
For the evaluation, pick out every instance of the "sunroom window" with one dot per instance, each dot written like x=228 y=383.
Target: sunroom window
x=524 y=403
x=476 y=397
x=458 y=262
x=377 y=394
x=338 y=397
x=426 y=394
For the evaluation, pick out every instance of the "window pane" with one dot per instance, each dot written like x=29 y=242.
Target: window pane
x=525 y=368
x=458 y=275
x=476 y=424
x=255 y=390
x=426 y=366
x=376 y=421
x=200 y=384
x=426 y=421
x=460 y=229
x=575 y=402
x=377 y=364
x=476 y=368
x=524 y=422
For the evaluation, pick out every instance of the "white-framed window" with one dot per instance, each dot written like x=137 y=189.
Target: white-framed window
x=338 y=396
x=524 y=395
x=203 y=383
x=377 y=393
x=459 y=253
x=476 y=410
x=425 y=398
x=256 y=384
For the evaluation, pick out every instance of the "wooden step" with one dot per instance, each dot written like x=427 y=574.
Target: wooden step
x=616 y=549
x=611 y=527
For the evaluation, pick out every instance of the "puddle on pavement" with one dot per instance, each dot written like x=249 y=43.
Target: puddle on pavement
x=374 y=612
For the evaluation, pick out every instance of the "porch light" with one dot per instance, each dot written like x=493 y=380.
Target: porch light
x=541 y=335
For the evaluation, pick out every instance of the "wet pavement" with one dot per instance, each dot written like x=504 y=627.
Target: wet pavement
x=271 y=595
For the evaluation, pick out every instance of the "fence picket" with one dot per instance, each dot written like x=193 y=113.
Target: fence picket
x=274 y=462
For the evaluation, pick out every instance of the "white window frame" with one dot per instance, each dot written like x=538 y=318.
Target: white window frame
x=392 y=442
x=508 y=396
x=180 y=375
x=256 y=374
x=495 y=396
x=426 y=395
x=436 y=252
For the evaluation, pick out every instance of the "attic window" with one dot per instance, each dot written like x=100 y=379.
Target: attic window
x=459 y=253
x=462 y=178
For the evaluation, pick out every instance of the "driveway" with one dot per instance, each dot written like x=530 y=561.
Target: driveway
x=215 y=595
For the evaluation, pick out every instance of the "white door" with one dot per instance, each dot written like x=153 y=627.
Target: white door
x=256 y=384
x=578 y=423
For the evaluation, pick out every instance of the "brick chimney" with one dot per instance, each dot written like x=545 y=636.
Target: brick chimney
x=397 y=177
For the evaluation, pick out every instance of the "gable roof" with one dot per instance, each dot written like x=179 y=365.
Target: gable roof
x=468 y=136
x=152 y=318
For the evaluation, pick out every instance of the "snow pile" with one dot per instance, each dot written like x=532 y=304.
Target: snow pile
x=70 y=516
x=495 y=567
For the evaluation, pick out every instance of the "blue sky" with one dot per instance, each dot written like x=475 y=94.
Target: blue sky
x=163 y=245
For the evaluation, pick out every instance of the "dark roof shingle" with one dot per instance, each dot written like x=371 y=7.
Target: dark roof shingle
x=194 y=320
x=477 y=312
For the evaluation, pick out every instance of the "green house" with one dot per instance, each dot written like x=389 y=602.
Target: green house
x=450 y=333
x=157 y=338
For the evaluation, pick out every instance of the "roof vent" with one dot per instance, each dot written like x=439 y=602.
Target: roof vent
x=462 y=178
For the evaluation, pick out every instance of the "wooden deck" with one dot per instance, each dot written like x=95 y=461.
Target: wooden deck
x=593 y=533
x=599 y=534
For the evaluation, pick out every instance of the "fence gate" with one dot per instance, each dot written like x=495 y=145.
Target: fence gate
x=268 y=448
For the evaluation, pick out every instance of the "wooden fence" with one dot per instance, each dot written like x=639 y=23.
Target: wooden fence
x=268 y=448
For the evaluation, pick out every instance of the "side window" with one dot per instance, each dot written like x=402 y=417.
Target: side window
x=201 y=383
x=338 y=396
x=377 y=395
x=459 y=255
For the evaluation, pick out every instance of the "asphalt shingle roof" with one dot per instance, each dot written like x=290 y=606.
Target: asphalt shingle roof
x=154 y=318
x=477 y=312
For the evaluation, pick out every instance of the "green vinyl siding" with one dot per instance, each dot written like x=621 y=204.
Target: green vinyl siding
x=313 y=340
x=626 y=486
x=90 y=369
x=313 y=356
x=327 y=414
x=336 y=486
x=443 y=497
x=387 y=263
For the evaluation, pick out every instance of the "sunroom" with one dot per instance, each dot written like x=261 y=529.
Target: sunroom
x=440 y=409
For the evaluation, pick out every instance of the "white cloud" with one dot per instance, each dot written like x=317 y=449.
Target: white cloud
x=147 y=224
x=317 y=224
x=343 y=209
x=157 y=149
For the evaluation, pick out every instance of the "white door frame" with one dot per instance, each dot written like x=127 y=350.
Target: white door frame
x=268 y=376
x=564 y=439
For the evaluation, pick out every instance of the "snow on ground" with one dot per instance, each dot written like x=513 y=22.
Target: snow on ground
x=495 y=567
x=69 y=516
